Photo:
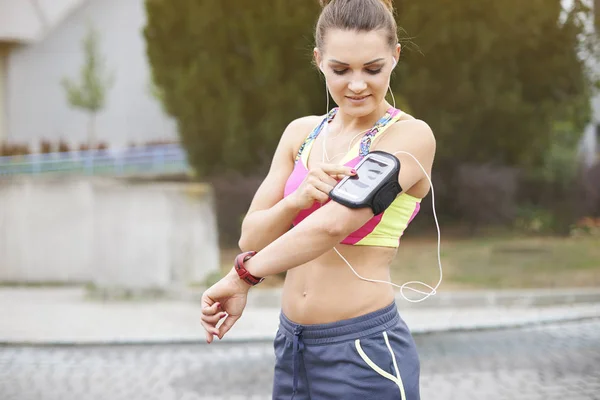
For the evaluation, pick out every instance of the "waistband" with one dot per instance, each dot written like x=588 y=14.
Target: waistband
x=340 y=331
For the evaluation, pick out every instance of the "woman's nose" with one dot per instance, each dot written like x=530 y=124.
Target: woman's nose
x=357 y=85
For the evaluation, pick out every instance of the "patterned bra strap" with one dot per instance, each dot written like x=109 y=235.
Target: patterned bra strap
x=391 y=116
x=315 y=132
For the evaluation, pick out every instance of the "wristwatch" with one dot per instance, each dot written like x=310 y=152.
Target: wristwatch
x=243 y=272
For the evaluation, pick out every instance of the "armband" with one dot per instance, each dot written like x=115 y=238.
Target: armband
x=375 y=184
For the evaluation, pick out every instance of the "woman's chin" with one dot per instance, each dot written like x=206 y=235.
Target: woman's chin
x=358 y=108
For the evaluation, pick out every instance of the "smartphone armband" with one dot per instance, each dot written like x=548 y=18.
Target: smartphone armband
x=375 y=184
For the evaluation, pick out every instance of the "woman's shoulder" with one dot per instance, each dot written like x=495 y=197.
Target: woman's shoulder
x=297 y=130
x=410 y=128
x=302 y=124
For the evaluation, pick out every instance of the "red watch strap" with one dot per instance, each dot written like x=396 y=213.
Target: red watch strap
x=243 y=272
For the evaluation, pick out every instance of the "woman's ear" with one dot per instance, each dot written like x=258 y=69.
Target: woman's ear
x=397 y=51
x=317 y=58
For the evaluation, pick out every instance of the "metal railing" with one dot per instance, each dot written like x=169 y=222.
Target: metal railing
x=136 y=160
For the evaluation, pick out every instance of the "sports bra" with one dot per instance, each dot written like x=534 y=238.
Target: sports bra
x=384 y=229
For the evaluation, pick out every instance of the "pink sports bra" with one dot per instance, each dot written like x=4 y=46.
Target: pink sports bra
x=384 y=229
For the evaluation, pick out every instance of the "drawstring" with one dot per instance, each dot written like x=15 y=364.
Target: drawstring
x=298 y=346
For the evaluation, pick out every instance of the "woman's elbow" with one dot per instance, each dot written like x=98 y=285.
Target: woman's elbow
x=342 y=221
x=242 y=244
x=245 y=244
x=332 y=227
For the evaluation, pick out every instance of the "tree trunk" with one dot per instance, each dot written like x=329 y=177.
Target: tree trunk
x=92 y=131
x=597 y=14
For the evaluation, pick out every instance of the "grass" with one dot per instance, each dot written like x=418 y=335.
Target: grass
x=490 y=263
x=502 y=263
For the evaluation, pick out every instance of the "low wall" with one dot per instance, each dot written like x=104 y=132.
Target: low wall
x=111 y=232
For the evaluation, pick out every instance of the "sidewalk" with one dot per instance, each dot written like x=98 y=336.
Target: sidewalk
x=67 y=316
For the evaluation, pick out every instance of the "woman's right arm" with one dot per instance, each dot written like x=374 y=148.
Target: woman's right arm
x=270 y=215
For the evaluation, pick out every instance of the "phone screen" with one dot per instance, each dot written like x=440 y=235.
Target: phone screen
x=370 y=173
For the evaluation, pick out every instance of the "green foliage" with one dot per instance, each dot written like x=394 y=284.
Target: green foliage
x=587 y=226
x=499 y=82
x=492 y=78
x=233 y=73
x=559 y=163
x=535 y=220
x=89 y=94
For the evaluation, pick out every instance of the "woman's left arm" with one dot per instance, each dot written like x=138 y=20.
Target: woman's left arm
x=329 y=225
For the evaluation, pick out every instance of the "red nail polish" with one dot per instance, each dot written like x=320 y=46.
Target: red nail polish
x=353 y=171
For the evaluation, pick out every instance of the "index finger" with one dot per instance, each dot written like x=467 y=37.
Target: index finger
x=210 y=310
x=336 y=169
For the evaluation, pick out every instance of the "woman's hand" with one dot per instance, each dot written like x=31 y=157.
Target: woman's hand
x=318 y=183
x=226 y=298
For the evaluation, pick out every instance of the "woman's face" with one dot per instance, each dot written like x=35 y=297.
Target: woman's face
x=357 y=67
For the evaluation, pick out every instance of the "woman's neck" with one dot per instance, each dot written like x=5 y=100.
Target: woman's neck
x=349 y=125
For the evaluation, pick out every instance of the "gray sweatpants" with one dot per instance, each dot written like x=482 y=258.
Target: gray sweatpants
x=368 y=357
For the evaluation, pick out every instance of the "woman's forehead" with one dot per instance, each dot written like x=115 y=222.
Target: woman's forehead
x=351 y=47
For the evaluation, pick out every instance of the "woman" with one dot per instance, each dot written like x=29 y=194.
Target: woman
x=339 y=337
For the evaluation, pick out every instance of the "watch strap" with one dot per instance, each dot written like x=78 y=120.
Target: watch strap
x=241 y=270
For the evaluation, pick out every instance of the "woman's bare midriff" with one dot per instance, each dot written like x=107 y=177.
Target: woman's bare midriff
x=326 y=290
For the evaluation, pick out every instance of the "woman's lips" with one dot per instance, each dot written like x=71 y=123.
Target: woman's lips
x=357 y=99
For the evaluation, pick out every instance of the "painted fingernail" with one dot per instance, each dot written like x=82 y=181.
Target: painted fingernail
x=223 y=316
x=353 y=171
x=218 y=305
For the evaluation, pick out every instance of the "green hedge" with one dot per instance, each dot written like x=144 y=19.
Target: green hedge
x=491 y=78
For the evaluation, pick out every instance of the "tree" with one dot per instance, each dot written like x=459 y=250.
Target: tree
x=233 y=73
x=492 y=78
x=90 y=93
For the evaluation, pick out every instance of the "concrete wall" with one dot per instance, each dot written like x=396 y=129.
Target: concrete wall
x=111 y=232
x=3 y=109
x=38 y=104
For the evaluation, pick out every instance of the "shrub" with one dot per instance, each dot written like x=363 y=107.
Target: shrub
x=46 y=147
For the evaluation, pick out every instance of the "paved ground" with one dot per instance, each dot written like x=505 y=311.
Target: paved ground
x=558 y=361
x=68 y=316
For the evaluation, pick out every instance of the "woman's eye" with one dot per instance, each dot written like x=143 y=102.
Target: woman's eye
x=374 y=71
x=369 y=71
x=339 y=71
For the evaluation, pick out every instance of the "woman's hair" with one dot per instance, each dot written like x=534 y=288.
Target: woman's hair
x=357 y=15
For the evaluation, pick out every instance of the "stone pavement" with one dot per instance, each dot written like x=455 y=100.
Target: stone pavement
x=68 y=316
x=544 y=362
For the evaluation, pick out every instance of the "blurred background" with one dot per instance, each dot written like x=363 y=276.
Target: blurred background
x=134 y=134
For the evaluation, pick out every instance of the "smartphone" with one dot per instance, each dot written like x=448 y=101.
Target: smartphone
x=377 y=170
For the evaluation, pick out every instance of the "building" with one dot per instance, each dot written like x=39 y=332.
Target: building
x=41 y=43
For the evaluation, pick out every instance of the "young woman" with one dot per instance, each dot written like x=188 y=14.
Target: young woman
x=340 y=337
